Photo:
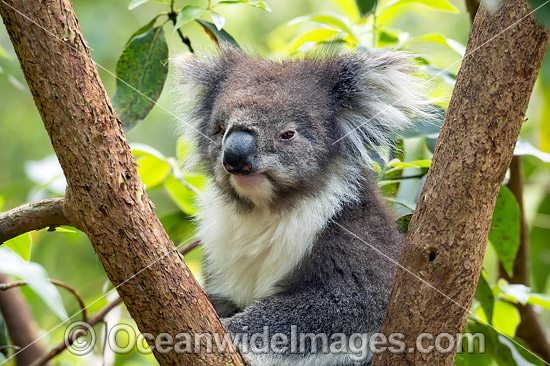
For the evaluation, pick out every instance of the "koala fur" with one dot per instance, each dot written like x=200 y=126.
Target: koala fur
x=275 y=253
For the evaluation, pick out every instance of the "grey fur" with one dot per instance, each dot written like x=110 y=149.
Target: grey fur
x=341 y=285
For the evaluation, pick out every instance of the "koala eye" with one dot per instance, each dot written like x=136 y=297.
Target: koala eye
x=287 y=135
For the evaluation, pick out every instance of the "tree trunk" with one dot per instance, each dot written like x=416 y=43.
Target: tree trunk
x=448 y=233
x=105 y=197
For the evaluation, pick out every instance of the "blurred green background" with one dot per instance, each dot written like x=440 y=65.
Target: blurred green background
x=28 y=168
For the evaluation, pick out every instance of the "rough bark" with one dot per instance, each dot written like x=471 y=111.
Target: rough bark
x=20 y=323
x=105 y=197
x=32 y=216
x=530 y=329
x=448 y=233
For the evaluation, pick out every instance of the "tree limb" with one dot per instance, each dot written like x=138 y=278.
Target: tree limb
x=21 y=326
x=105 y=197
x=449 y=230
x=32 y=216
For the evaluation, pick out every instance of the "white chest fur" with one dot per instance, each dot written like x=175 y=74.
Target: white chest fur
x=248 y=254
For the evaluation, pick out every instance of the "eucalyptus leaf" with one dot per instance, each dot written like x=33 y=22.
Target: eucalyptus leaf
x=366 y=6
x=504 y=234
x=187 y=14
x=540 y=248
x=139 y=149
x=3 y=339
x=525 y=148
x=135 y=3
x=441 y=5
x=21 y=245
x=428 y=125
x=36 y=277
x=484 y=294
x=403 y=223
x=218 y=19
x=542 y=11
x=181 y=195
x=332 y=20
x=219 y=37
x=257 y=4
x=141 y=73
x=152 y=170
x=142 y=30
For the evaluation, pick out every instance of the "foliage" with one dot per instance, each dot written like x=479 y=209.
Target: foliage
x=292 y=28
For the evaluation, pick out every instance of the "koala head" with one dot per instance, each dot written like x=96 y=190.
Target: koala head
x=272 y=132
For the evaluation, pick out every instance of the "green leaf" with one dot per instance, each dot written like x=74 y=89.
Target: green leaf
x=504 y=234
x=309 y=39
x=21 y=245
x=398 y=165
x=332 y=20
x=218 y=19
x=540 y=247
x=36 y=277
x=142 y=30
x=139 y=149
x=181 y=195
x=540 y=300
x=2 y=201
x=366 y=6
x=257 y=4
x=187 y=14
x=403 y=223
x=141 y=73
x=447 y=76
x=3 y=340
x=153 y=171
x=516 y=293
x=3 y=54
x=525 y=148
x=219 y=37
x=425 y=126
x=484 y=294
x=542 y=11
x=135 y=3
x=438 y=38
x=387 y=38
x=442 y=5
x=506 y=318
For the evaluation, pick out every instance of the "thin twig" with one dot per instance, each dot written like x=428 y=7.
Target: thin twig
x=10 y=285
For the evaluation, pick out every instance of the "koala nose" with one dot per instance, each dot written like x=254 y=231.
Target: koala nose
x=238 y=151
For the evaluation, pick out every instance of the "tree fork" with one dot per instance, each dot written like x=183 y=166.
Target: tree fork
x=105 y=197
x=448 y=233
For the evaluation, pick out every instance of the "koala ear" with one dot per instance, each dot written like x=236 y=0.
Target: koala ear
x=376 y=94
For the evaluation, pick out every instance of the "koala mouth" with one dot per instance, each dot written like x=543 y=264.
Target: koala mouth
x=249 y=182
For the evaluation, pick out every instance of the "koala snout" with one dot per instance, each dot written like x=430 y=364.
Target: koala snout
x=238 y=151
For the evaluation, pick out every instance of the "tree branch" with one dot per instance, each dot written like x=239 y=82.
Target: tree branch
x=105 y=197
x=32 y=216
x=22 y=329
x=449 y=230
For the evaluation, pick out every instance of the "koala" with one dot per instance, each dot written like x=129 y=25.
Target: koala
x=299 y=249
